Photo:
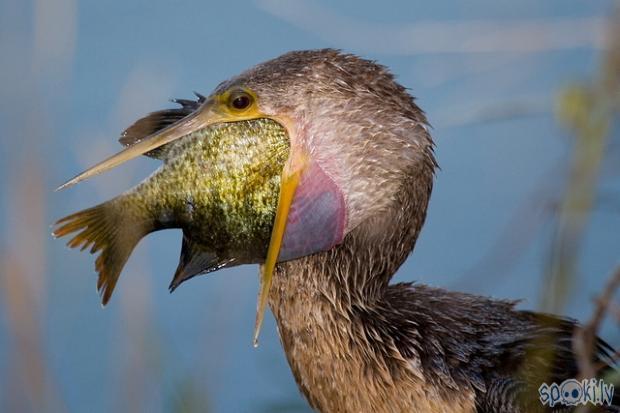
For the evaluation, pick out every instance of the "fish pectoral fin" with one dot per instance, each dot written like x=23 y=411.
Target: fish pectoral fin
x=195 y=260
x=156 y=121
x=103 y=228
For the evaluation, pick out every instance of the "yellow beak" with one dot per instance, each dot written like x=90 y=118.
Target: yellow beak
x=209 y=113
x=288 y=184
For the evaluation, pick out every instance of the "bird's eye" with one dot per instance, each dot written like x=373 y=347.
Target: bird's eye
x=240 y=101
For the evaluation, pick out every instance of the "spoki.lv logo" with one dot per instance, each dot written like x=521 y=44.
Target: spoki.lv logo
x=572 y=392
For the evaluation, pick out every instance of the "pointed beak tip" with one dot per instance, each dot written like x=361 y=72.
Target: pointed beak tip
x=257 y=327
x=71 y=182
x=61 y=187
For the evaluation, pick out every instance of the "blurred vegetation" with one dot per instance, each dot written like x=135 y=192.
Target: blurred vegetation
x=30 y=382
x=187 y=397
x=588 y=110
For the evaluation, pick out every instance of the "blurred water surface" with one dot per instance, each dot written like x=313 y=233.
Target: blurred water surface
x=74 y=74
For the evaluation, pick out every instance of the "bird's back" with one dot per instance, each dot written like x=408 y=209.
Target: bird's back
x=503 y=354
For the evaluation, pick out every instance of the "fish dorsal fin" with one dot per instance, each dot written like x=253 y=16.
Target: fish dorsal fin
x=157 y=121
x=195 y=260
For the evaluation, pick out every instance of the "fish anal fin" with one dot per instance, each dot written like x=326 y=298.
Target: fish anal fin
x=195 y=260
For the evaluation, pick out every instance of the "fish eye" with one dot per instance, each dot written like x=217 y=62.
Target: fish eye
x=240 y=100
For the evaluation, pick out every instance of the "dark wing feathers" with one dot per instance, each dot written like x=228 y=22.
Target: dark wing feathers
x=541 y=353
x=157 y=121
x=467 y=341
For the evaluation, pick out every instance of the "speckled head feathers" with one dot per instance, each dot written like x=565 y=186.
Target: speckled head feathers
x=355 y=120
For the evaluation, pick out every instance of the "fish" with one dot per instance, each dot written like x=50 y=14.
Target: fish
x=219 y=184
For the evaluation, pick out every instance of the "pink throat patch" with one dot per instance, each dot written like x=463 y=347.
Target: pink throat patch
x=317 y=217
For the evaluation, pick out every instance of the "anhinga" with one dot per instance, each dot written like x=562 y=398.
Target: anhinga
x=352 y=201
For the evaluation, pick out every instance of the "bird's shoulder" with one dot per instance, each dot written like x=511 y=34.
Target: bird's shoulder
x=489 y=345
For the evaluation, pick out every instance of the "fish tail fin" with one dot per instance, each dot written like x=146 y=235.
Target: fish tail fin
x=108 y=229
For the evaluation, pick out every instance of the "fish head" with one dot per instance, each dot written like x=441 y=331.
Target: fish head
x=275 y=202
x=223 y=182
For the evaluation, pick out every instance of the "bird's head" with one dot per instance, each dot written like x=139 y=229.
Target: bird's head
x=357 y=142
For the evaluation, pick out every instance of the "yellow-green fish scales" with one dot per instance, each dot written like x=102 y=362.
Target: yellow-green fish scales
x=219 y=184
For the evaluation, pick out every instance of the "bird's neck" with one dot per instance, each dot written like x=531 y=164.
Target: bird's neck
x=330 y=310
x=315 y=301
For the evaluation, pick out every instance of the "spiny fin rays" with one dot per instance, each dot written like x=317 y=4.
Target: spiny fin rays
x=103 y=228
x=195 y=260
x=156 y=121
x=170 y=133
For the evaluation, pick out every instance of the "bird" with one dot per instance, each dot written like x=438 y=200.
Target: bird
x=353 y=199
